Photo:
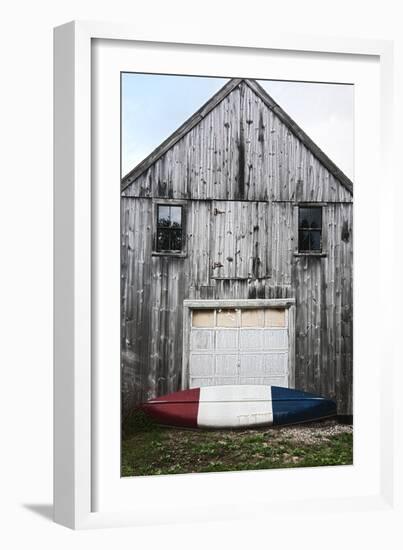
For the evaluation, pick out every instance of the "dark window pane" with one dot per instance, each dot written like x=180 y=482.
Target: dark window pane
x=176 y=216
x=310 y=217
x=303 y=223
x=163 y=216
x=315 y=238
x=169 y=228
x=163 y=239
x=310 y=228
x=176 y=239
x=303 y=240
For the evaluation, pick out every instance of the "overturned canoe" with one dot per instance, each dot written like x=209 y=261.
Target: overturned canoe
x=238 y=406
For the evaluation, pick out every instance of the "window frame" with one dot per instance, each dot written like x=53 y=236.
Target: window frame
x=317 y=253
x=173 y=253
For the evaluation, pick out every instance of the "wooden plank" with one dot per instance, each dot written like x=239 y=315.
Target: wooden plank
x=301 y=135
x=180 y=132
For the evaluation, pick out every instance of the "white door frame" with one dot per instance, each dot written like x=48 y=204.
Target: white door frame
x=189 y=305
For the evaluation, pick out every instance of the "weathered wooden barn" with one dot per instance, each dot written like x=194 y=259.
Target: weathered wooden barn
x=237 y=257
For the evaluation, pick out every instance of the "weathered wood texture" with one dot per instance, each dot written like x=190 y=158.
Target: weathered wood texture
x=241 y=172
x=240 y=150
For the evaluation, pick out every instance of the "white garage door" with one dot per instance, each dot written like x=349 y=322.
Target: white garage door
x=238 y=346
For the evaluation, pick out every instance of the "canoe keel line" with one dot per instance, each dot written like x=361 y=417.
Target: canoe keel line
x=238 y=406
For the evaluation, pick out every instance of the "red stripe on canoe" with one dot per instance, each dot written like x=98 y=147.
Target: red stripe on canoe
x=175 y=409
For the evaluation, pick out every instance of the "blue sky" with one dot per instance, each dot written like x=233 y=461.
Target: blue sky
x=153 y=106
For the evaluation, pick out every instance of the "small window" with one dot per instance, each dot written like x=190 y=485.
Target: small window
x=203 y=318
x=252 y=317
x=169 y=228
x=227 y=318
x=310 y=229
x=275 y=318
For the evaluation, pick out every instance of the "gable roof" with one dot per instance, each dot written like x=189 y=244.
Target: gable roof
x=209 y=106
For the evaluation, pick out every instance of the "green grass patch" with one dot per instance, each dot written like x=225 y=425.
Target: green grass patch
x=148 y=449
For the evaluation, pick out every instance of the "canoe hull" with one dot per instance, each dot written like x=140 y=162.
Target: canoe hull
x=238 y=406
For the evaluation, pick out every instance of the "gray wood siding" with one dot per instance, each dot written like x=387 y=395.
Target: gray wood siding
x=324 y=313
x=241 y=173
x=240 y=150
x=154 y=287
x=239 y=248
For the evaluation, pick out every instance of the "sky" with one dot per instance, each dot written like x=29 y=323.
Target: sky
x=154 y=106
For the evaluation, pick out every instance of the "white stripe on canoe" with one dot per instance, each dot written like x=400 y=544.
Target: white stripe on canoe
x=234 y=406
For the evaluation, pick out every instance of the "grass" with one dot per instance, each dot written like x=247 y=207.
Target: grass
x=148 y=449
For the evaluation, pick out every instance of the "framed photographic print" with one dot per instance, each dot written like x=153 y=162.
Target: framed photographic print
x=210 y=338
x=236 y=270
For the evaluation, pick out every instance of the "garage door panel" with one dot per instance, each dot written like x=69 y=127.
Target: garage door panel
x=226 y=365
x=251 y=349
x=203 y=318
x=252 y=365
x=275 y=318
x=250 y=339
x=202 y=340
x=281 y=381
x=202 y=365
x=271 y=364
x=225 y=380
x=227 y=339
x=275 y=339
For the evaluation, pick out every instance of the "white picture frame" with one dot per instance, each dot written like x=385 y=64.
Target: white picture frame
x=87 y=491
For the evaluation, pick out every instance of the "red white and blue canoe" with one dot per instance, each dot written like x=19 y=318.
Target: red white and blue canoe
x=238 y=406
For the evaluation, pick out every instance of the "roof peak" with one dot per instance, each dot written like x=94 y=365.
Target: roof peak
x=207 y=107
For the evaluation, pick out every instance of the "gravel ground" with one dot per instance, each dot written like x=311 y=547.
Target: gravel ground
x=310 y=433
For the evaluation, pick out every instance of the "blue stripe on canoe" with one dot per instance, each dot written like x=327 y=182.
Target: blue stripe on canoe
x=291 y=406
